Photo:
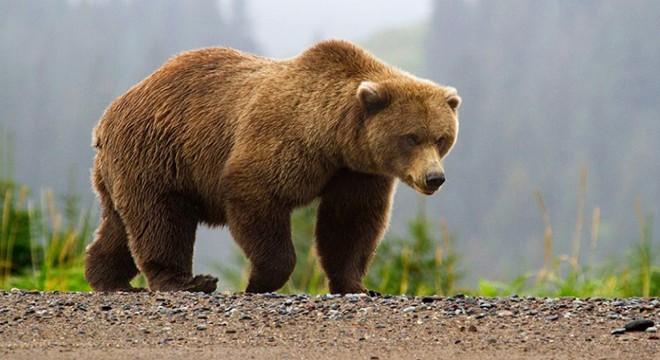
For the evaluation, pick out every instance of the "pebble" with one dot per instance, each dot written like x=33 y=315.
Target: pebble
x=202 y=312
x=505 y=313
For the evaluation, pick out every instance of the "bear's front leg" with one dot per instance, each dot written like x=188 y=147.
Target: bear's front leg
x=263 y=231
x=352 y=217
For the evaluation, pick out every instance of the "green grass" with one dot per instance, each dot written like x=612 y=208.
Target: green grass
x=419 y=262
x=633 y=274
x=42 y=246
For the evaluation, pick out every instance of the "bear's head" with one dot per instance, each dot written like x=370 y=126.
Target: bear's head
x=411 y=125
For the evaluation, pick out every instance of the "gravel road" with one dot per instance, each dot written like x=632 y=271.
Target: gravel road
x=52 y=325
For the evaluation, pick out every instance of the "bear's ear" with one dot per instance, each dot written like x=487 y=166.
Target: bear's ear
x=373 y=97
x=453 y=100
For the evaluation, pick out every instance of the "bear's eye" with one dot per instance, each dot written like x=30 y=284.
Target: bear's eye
x=412 y=139
x=440 y=143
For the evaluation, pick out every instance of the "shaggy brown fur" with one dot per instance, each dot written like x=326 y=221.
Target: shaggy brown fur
x=221 y=137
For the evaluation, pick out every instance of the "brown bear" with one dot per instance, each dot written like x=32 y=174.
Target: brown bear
x=221 y=137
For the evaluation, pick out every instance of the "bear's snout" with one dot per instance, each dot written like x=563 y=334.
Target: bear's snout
x=434 y=180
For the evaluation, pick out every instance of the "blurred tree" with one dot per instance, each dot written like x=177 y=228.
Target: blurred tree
x=548 y=87
x=62 y=62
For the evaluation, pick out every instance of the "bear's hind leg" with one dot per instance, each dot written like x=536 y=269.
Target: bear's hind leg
x=109 y=265
x=352 y=217
x=162 y=238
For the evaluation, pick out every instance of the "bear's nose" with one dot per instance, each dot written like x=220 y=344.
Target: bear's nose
x=434 y=180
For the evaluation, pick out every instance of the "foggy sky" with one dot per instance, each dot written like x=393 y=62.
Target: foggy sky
x=283 y=28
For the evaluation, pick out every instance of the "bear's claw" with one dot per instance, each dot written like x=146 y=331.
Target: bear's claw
x=201 y=283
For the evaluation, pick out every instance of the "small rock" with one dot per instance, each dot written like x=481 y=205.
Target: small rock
x=639 y=325
x=230 y=331
x=651 y=329
x=472 y=328
x=552 y=317
x=245 y=317
x=106 y=308
x=202 y=327
x=409 y=309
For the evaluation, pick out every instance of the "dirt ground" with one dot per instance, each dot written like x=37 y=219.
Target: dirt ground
x=39 y=325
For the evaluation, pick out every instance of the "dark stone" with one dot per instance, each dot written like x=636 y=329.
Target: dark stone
x=639 y=325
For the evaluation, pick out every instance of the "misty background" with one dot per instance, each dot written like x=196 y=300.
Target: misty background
x=550 y=89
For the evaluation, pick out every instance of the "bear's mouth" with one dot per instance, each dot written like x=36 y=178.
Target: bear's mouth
x=425 y=191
